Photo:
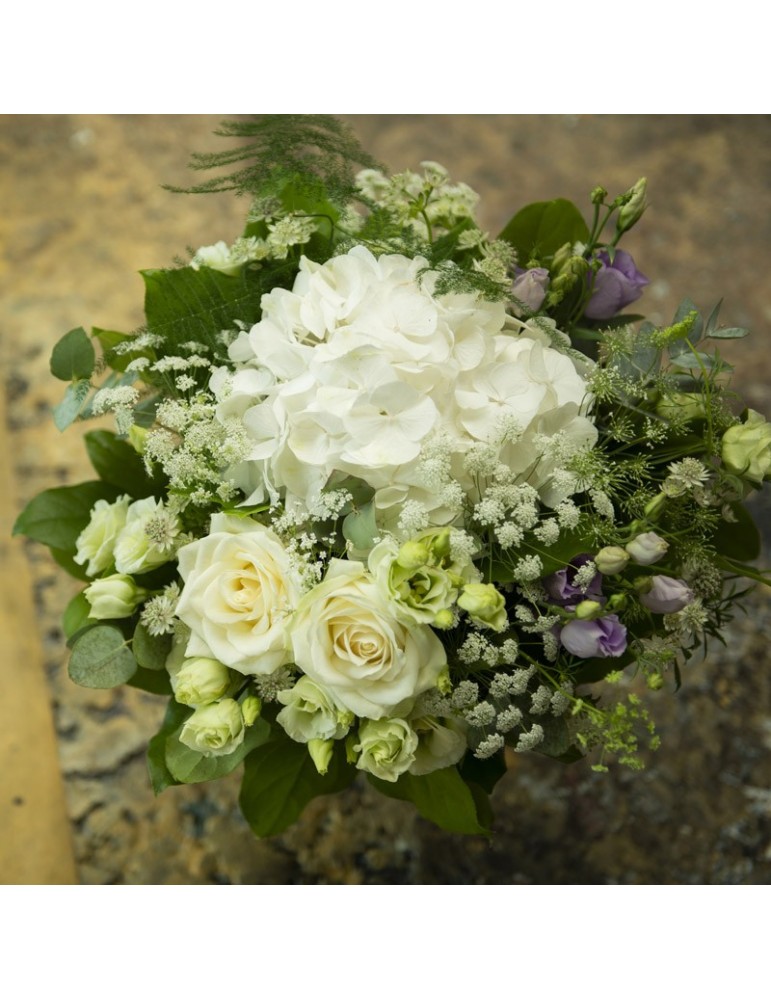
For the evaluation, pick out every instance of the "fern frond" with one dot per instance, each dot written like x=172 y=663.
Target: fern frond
x=316 y=153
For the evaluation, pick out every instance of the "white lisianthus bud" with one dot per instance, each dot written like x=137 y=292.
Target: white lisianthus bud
x=611 y=560
x=96 y=542
x=311 y=713
x=586 y=610
x=442 y=744
x=746 y=448
x=321 y=754
x=631 y=212
x=214 y=730
x=386 y=747
x=115 y=596
x=647 y=548
x=200 y=681
x=485 y=605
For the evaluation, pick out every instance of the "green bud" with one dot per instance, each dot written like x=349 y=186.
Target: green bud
x=586 y=610
x=443 y=682
x=321 y=753
x=617 y=602
x=561 y=258
x=681 y=407
x=413 y=555
x=440 y=544
x=351 y=753
x=485 y=605
x=598 y=195
x=444 y=618
x=137 y=436
x=251 y=707
x=611 y=560
x=115 y=596
x=634 y=207
x=746 y=449
x=200 y=680
x=655 y=507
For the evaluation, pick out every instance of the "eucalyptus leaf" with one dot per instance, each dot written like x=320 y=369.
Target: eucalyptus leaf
x=360 y=528
x=56 y=517
x=442 y=797
x=101 y=658
x=729 y=333
x=150 y=651
x=280 y=779
x=73 y=357
x=189 y=767
x=73 y=405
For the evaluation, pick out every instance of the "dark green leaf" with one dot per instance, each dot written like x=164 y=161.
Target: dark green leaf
x=101 y=658
x=591 y=671
x=540 y=229
x=280 y=779
x=56 y=517
x=188 y=766
x=485 y=773
x=739 y=539
x=185 y=304
x=73 y=356
x=442 y=797
x=109 y=339
x=160 y=776
x=150 y=651
x=154 y=681
x=117 y=463
x=76 y=615
x=73 y=405
x=67 y=563
x=557 y=740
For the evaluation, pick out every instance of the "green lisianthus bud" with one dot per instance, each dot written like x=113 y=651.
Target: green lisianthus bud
x=251 y=707
x=746 y=449
x=115 y=596
x=137 y=437
x=413 y=555
x=634 y=207
x=617 y=602
x=655 y=507
x=214 y=730
x=321 y=754
x=611 y=560
x=443 y=681
x=681 y=406
x=443 y=619
x=200 y=681
x=586 y=610
x=485 y=605
x=598 y=195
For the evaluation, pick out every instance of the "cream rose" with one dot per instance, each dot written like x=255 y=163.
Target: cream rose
x=239 y=591
x=96 y=542
x=346 y=638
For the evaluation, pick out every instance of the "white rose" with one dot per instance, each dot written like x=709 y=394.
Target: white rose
x=214 y=730
x=96 y=542
x=346 y=638
x=237 y=596
x=135 y=550
x=311 y=714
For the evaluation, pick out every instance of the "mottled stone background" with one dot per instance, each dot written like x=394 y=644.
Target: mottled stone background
x=83 y=211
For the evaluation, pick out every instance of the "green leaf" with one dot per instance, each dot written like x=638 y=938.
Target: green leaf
x=597 y=669
x=540 y=229
x=442 y=797
x=150 y=651
x=73 y=356
x=360 y=527
x=117 y=463
x=485 y=773
x=56 y=517
x=153 y=681
x=280 y=779
x=739 y=539
x=729 y=333
x=68 y=564
x=76 y=615
x=184 y=304
x=101 y=658
x=109 y=339
x=557 y=740
x=557 y=556
x=188 y=766
x=73 y=405
x=160 y=776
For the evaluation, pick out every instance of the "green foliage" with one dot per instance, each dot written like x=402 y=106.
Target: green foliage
x=538 y=230
x=73 y=405
x=317 y=153
x=184 y=304
x=739 y=539
x=117 y=463
x=160 y=775
x=76 y=615
x=190 y=767
x=150 y=651
x=442 y=797
x=152 y=681
x=360 y=527
x=485 y=773
x=280 y=779
x=56 y=517
x=101 y=658
x=73 y=356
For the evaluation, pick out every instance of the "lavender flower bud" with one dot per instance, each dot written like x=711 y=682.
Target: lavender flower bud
x=529 y=288
x=615 y=286
x=666 y=595
x=601 y=637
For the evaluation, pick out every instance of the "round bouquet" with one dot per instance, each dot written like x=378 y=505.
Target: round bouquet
x=389 y=495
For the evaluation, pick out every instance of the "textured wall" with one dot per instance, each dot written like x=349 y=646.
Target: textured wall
x=83 y=211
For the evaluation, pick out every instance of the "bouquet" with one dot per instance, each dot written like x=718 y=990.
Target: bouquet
x=386 y=494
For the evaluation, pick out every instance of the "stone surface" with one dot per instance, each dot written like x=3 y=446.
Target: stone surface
x=83 y=211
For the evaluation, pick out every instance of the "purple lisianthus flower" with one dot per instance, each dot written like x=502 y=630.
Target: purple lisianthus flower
x=530 y=287
x=560 y=586
x=615 y=285
x=666 y=595
x=601 y=637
